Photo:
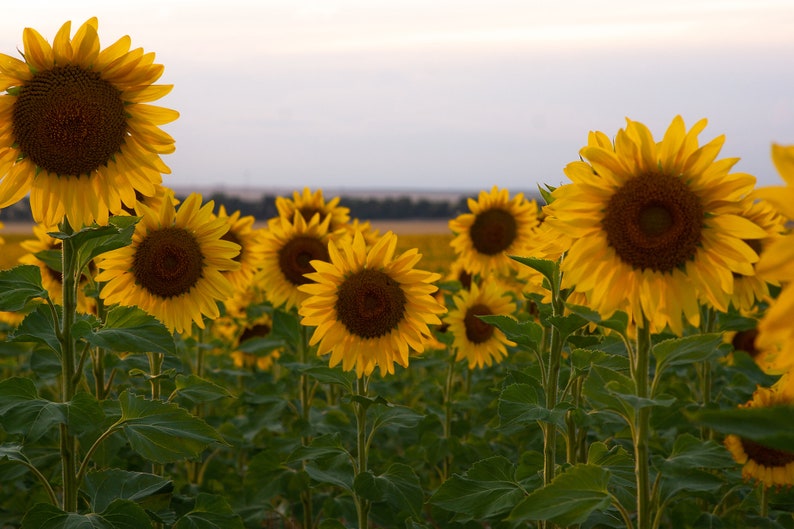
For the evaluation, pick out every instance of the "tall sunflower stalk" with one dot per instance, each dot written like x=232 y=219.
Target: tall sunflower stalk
x=639 y=362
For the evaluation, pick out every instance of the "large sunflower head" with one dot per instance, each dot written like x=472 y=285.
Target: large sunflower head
x=76 y=129
x=370 y=308
x=475 y=340
x=656 y=227
x=309 y=204
x=252 y=249
x=496 y=227
x=290 y=247
x=771 y=467
x=174 y=267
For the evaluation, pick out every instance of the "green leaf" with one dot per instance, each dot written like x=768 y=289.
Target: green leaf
x=19 y=285
x=333 y=375
x=13 y=452
x=521 y=406
x=569 y=499
x=544 y=266
x=108 y=485
x=84 y=413
x=129 y=330
x=399 y=487
x=619 y=321
x=567 y=324
x=487 y=490
x=690 y=452
x=23 y=412
x=38 y=327
x=287 y=327
x=393 y=415
x=92 y=241
x=327 y=461
x=603 y=388
x=768 y=426
x=260 y=346
x=616 y=460
x=685 y=351
x=121 y=514
x=198 y=390
x=527 y=333
x=161 y=431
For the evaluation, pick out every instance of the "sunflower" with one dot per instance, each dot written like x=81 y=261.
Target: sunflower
x=174 y=267
x=775 y=332
x=475 y=340
x=655 y=228
x=496 y=227
x=76 y=131
x=370 y=308
x=44 y=251
x=289 y=249
x=748 y=290
x=252 y=249
x=309 y=204
x=771 y=467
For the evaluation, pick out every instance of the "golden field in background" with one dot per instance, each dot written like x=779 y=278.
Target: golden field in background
x=431 y=237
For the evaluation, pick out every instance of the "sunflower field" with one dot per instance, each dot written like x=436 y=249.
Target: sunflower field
x=617 y=356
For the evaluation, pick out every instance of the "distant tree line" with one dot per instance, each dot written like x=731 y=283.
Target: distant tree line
x=369 y=208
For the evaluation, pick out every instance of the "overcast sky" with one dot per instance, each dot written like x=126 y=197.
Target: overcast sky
x=441 y=94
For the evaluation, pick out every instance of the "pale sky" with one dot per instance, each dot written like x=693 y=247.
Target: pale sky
x=441 y=95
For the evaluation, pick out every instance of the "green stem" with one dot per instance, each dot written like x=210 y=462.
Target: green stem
x=448 y=413
x=305 y=398
x=551 y=384
x=155 y=368
x=69 y=375
x=362 y=450
x=642 y=426
x=764 y=507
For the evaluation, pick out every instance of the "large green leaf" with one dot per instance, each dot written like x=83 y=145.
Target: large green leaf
x=488 y=490
x=619 y=321
x=162 y=431
x=603 y=388
x=131 y=330
x=544 y=266
x=22 y=411
x=569 y=499
x=685 y=351
x=333 y=375
x=39 y=327
x=120 y=514
x=287 y=327
x=398 y=487
x=768 y=426
x=393 y=415
x=526 y=333
x=19 y=285
x=198 y=390
x=326 y=461
x=92 y=241
x=210 y=512
x=522 y=405
x=108 y=485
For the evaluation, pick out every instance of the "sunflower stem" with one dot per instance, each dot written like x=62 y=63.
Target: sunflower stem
x=764 y=501
x=448 y=413
x=69 y=378
x=551 y=384
x=362 y=449
x=642 y=425
x=155 y=368
x=305 y=409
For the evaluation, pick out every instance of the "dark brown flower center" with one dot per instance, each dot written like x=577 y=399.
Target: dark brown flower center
x=69 y=121
x=168 y=262
x=654 y=221
x=768 y=457
x=370 y=303
x=745 y=341
x=477 y=331
x=259 y=330
x=295 y=257
x=493 y=231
